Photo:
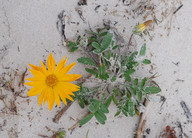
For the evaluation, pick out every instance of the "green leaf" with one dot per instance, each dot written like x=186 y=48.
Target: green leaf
x=86 y=61
x=115 y=100
x=131 y=108
x=133 y=90
x=152 y=90
x=103 y=34
x=94 y=106
x=130 y=71
x=99 y=118
x=139 y=95
x=96 y=45
x=102 y=114
x=86 y=119
x=146 y=61
x=81 y=102
x=113 y=79
x=73 y=49
x=91 y=71
x=106 y=42
x=127 y=76
x=102 y=73
x=133 y=56
x=104 y=109
x=108 y=101
x=117 y=113
x=124 y=112
x=135 y=82
x=115 y=47
x=71 y=44
x=60 y=134
x=143 y=50
x=143 y=82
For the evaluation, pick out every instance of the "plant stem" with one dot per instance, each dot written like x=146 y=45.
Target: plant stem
x=60 y=113
x=77 y=123
x=143 y=120
x=130 y=40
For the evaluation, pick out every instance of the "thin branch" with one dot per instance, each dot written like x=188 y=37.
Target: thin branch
x=77 y=123
x=60 y=113
x=130 y=39
x=143 y=120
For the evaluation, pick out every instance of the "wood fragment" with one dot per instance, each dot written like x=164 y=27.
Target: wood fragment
x=142 y=122
x=178 y=9
x=22 y=78
x=2 y=97
x=82 y=2
x=43 y=136
x=176 y=64
x=79 y=11
x=182 y=135
x=61 y=24
x=77 y=123
x=97 y=7
x=130 y=39
x=60 y=113
x=186 y=110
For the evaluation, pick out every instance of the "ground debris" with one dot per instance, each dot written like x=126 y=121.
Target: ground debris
x=22 y=78
x=169 y=132
x=56 y=134
x=97 y=7
x=178 y=9
x=80 y=12
x=61 y=23
x=186 y=110
x=61 y=112
x=82 y=2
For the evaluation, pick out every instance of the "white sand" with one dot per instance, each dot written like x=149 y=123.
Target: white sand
x=28 y=32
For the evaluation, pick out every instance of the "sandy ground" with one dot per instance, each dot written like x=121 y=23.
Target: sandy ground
x=28 y=33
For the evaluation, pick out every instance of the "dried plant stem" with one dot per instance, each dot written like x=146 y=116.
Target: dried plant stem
x=77 y=123
x=60 y=113
x=143 y=120
x=130 y=39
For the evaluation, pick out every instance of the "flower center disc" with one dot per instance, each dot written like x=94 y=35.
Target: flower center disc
x=51 y=80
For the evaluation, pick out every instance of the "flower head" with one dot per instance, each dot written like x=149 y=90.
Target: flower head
x=53 y=83
x=142 y=27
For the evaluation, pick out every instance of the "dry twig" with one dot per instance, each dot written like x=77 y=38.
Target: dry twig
x=22 y=78
x=143 y=120
x=77 y=123
x=60 y=113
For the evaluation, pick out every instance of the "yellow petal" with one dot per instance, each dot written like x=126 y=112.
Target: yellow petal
x=37 y=74
x=56 y=94
x=142 y=27
x=63 y=97
x=46 y=95
x=60 y=65
x=41 y=97
x=51 y=99
x=65 y=61
x=34 y=91
x=35 y=67
x=67 y=87
x=69 y=77
x=51 y=63
x=71 y=93
x=44 y=70
x=33 y=79
x=35 y=83
x=69 y=97
x=65 y=70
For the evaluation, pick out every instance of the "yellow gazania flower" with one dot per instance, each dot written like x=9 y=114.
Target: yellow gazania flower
x=142 y=27
x=52 y=84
